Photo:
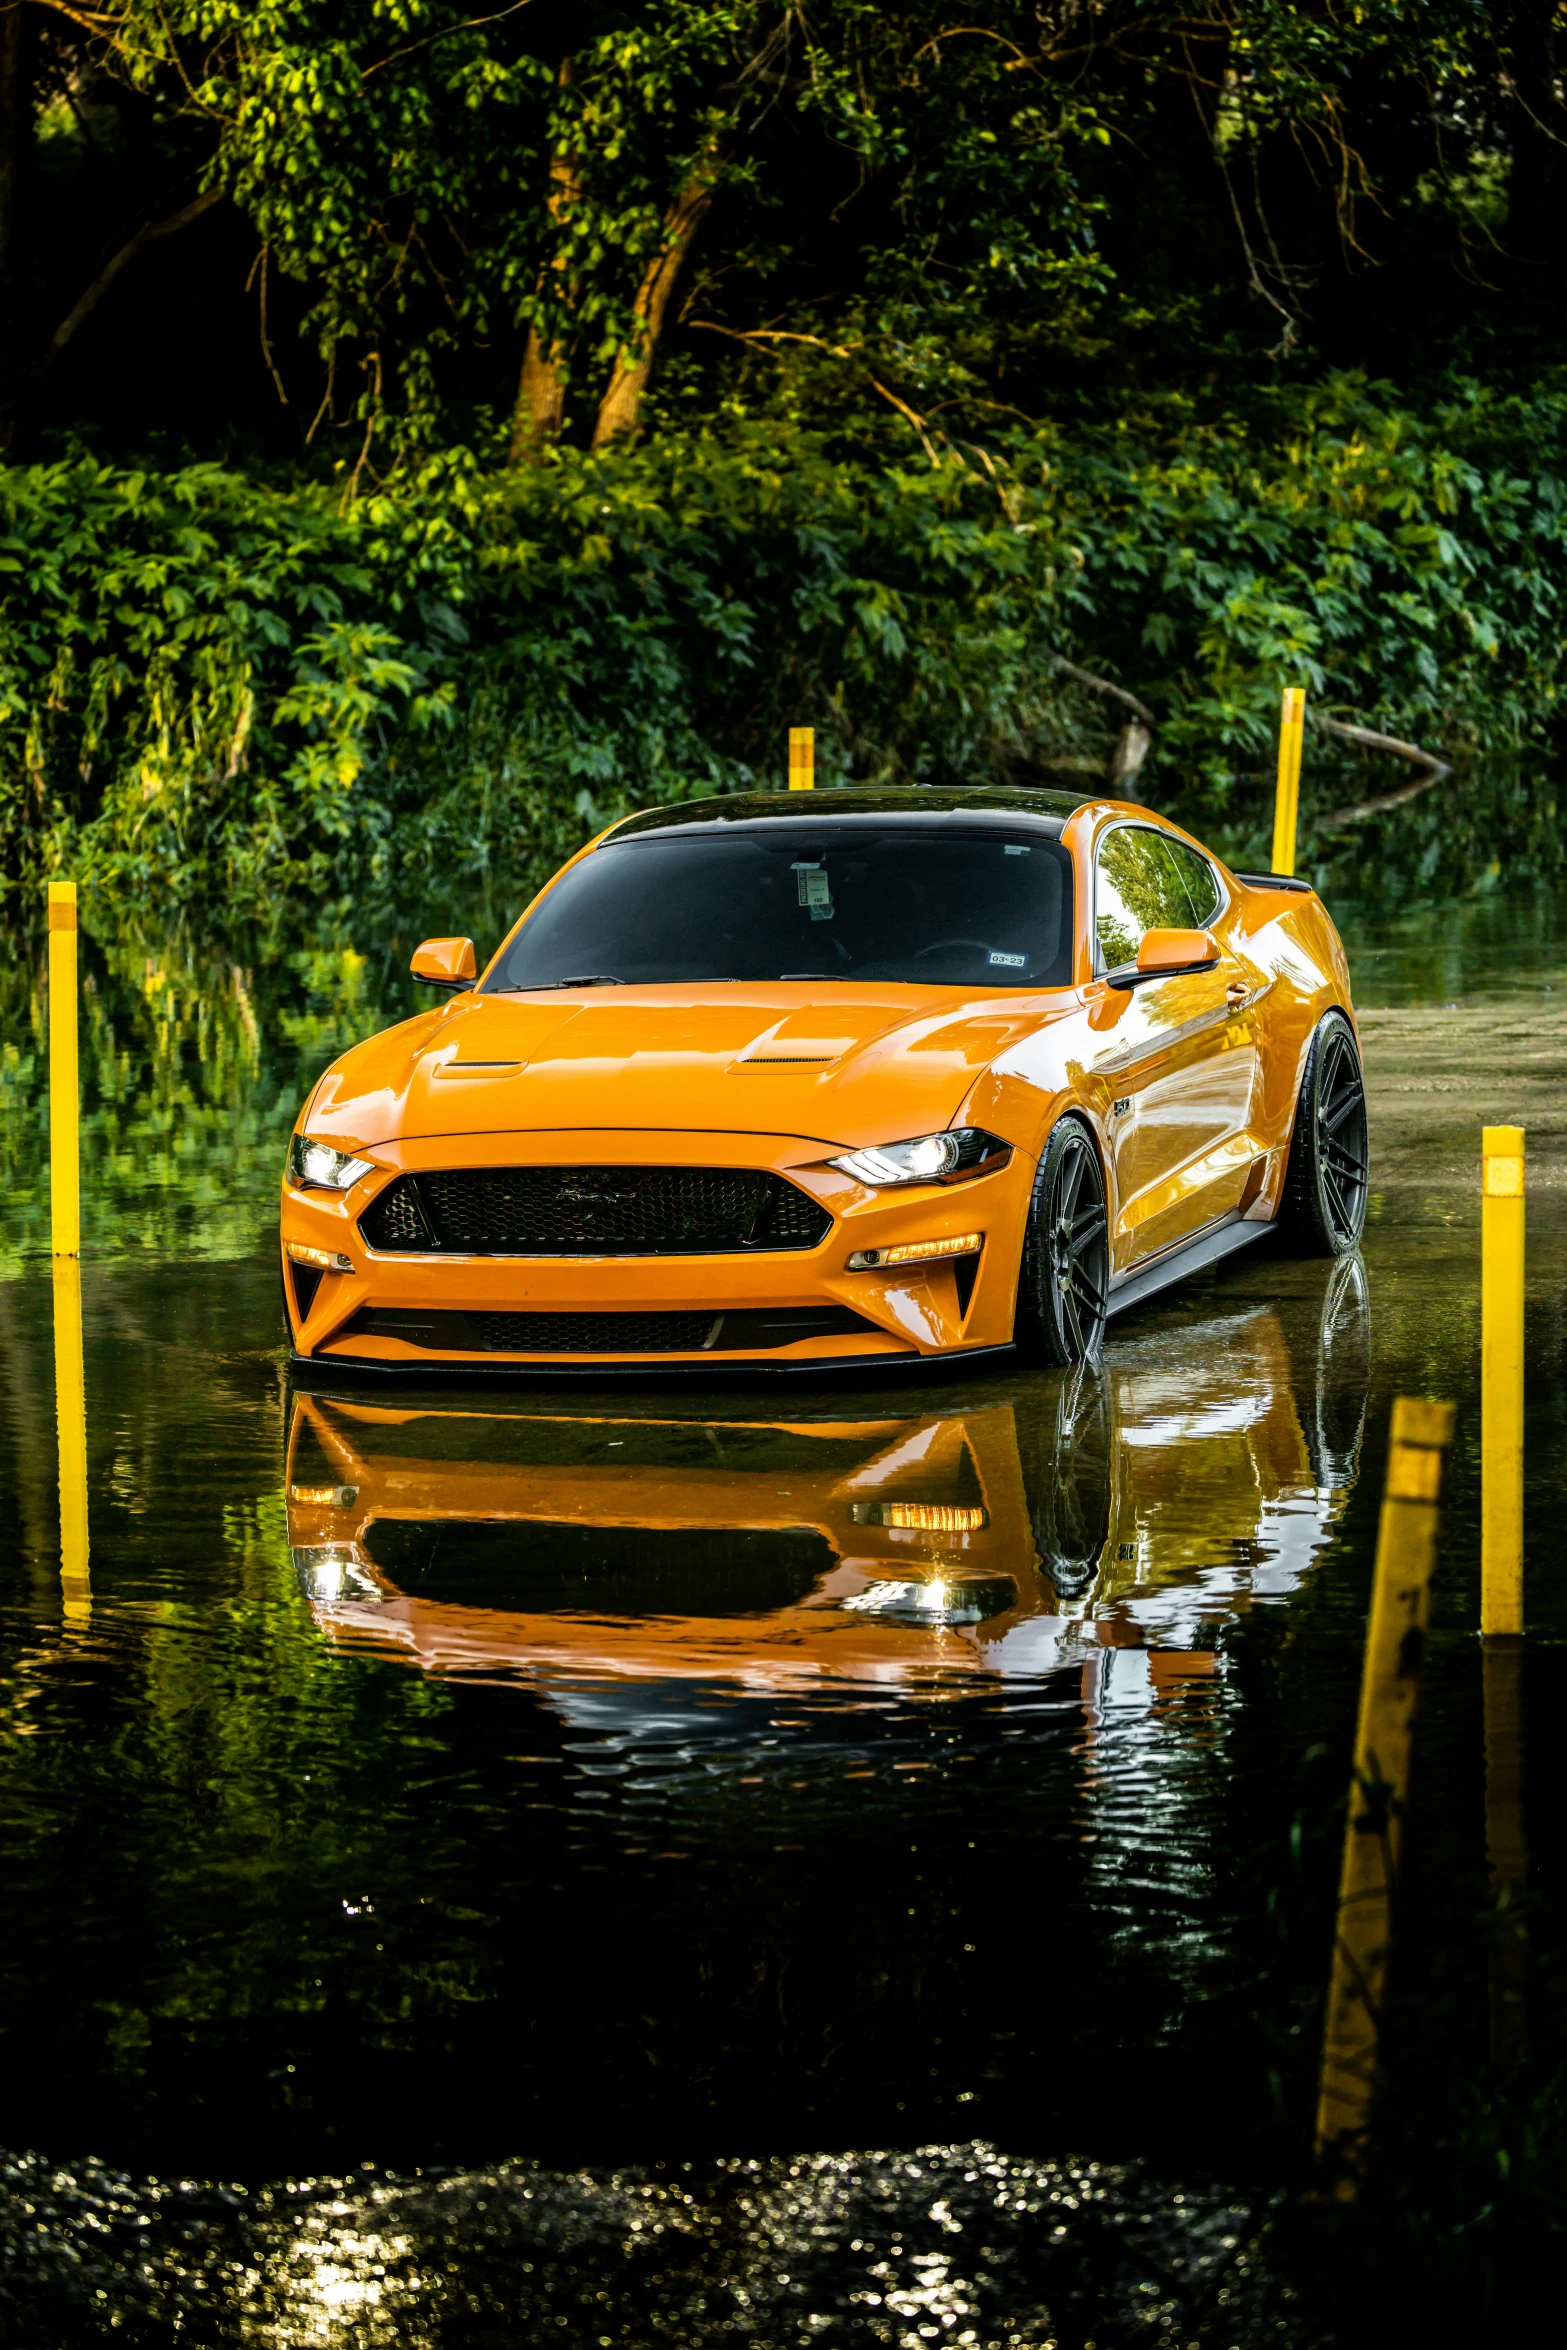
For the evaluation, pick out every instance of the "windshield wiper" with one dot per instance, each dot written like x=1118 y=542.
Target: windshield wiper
x=543 y=986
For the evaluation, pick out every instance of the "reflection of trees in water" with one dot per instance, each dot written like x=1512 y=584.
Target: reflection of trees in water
x=195 y=1054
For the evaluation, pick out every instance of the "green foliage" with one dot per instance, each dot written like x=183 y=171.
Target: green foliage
x=606 y=630
x=438 y=182
x=206 y=684
x=897 y=458
x=173 y=648
x=1408 y=569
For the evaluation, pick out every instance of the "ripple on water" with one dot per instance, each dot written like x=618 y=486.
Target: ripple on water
x=958 y=2244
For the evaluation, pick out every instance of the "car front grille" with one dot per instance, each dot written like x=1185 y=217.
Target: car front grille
x=593 y=1211
x=751 y=1329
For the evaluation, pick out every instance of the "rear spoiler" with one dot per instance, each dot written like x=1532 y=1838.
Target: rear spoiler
x=1275 y=881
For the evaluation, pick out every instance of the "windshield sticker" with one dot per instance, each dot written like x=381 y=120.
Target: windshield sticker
x=815 y=891
x=1012 y=852
x=1011 y=962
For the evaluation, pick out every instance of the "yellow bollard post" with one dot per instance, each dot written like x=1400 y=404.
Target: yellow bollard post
x=802 y=758
x=1389 y=1692
x=70 y=1410
x=65 y=1241
x=65 y=1208
x=1286 y=803
x=1501 y=1381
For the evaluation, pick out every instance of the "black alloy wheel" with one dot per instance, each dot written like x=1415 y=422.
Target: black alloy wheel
x=1065 y=1279
x=1329 y=1173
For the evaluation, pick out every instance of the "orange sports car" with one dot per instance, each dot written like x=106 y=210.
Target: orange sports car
x=838 y=1081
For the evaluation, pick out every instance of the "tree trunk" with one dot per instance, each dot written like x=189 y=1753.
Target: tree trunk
x=16 y=139
x=1539 y=127
x=621 y=407
x=541 y=394
x=541 y=400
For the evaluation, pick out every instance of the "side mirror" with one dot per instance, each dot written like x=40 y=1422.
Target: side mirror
x=445 y=962
x=1163 y=953
x=1177 y=950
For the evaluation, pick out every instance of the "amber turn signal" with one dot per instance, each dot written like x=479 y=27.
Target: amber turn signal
x=916 y=1252
x=921 y=1517
x=325 y=1260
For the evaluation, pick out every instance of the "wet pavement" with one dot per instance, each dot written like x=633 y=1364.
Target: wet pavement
x=833 y=1863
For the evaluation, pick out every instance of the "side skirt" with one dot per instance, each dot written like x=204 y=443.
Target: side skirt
x=1193 y=1256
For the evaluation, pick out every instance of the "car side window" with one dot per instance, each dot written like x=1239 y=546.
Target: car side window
x=1202 y=885
x=1136 y=889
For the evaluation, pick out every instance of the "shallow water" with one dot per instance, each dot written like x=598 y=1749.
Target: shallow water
x=757 y=1862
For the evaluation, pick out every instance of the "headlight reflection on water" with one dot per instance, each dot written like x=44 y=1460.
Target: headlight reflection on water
x=951 y=2244
x=935 y=1601
x=331 y=1572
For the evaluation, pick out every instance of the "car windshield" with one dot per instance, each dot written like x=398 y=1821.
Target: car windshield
x=922 y=905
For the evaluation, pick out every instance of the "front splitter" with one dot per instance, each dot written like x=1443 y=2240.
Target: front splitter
x=317 y=1371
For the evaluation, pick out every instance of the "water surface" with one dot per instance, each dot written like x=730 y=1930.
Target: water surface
x=749 y=1862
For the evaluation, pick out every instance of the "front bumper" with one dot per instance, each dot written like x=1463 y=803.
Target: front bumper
x=879 y=1316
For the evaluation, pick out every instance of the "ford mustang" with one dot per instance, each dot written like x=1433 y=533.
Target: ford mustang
x=868 y=1077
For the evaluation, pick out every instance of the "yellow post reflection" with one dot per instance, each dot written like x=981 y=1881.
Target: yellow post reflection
x=1507 y=1851
x=70 y=1404
x=1389 y=1694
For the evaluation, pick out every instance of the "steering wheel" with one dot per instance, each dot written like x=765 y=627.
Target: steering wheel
x=942 y=944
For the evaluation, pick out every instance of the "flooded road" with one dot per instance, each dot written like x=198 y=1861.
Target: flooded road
x=754 y=1863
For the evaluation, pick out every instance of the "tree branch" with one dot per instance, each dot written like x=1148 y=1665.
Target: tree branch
x=1364 y=808
x=100 y=22
x=1365 y=738
x=778 y=334
x=122 y=260
x=1116 y=693
x=467 y=26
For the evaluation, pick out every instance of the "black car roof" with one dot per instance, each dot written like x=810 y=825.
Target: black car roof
x=845 y=803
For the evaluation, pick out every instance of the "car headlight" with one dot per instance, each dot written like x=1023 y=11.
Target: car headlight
x=316 y=1166
x=929 y=1158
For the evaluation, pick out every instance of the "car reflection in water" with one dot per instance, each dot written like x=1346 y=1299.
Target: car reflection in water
x=1061 y=1522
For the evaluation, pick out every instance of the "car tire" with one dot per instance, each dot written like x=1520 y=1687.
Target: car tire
x=1323 y=1210
x=1064 y=1285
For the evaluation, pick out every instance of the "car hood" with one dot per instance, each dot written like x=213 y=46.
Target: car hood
x=861 y=1065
